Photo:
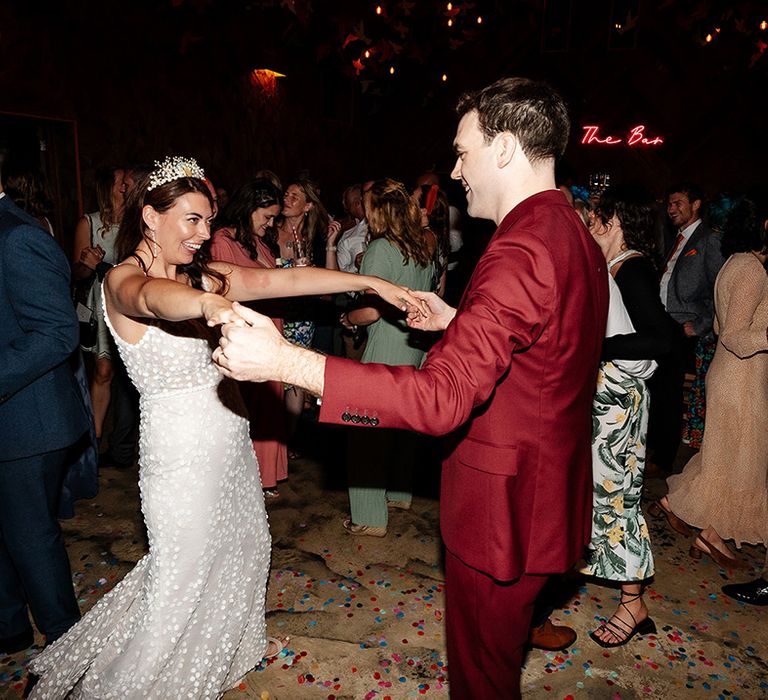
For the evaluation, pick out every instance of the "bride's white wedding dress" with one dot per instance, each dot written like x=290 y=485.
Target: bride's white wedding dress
x=188 y=620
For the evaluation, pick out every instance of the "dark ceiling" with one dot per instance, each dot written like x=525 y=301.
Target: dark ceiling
x=143 y=79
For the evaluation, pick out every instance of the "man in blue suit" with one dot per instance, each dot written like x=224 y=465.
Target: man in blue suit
x=41 y=417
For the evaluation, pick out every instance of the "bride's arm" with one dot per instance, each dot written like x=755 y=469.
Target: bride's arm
x=247 y=283
x=132 y=294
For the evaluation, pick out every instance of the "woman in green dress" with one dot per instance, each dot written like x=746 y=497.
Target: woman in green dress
x=381 y=461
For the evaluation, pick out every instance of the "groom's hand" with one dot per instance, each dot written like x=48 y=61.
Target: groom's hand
x=249 y=352
x=257 y=352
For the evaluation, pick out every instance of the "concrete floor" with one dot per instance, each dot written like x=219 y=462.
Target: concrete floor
x=365 y=615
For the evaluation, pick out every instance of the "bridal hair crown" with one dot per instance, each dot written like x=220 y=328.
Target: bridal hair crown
x=173 y=168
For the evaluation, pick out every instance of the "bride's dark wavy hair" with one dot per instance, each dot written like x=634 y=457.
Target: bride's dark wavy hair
x=134 y=230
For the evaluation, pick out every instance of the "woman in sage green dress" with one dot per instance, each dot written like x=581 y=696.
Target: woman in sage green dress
x=380 y=461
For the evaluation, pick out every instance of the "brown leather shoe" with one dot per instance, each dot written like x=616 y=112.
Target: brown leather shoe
x=551 y=637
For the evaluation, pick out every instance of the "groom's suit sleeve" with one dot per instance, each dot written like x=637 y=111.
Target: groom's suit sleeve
x=506 y=308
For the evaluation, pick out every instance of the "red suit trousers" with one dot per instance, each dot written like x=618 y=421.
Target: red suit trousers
x=487 y=624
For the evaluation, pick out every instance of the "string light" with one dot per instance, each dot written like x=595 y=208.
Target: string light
x=450 y=22
x=378 y=9
x=367 y=53
x=444 y=78
x=708 y=38
x=479 y=20
x=391 y=70
x=449 y=6
x=763 y=25
x=717 y=30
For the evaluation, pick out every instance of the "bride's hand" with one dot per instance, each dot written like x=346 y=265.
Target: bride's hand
x=400 y=297
x=217 y=310
x=435 y=316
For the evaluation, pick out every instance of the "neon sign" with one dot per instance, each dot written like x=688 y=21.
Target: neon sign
x=635 y=137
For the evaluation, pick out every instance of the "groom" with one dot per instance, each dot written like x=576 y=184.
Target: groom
x=510 y=384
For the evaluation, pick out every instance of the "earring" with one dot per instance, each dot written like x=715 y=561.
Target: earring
x=154 y=242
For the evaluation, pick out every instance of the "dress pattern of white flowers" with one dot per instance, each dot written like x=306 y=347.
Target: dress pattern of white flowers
x=188 y=621
x=620 y=548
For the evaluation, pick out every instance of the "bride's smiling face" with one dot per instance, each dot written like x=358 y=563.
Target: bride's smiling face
x=182 y=229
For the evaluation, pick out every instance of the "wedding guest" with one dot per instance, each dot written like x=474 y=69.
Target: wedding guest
x=352 y=241
x=28 y=189
x=305 y=236
x=41 y=417
x=453 y=286
x=695 y=403
x=380 y=464
x=620 y=548
x=350 y=247
x=687 y=281
x=722 y=490
x=435 y=227
x=240 y=240
x=94 y=253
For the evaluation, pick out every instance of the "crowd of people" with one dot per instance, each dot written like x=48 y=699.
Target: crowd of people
x=578 y=321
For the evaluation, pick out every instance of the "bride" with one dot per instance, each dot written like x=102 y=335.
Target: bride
x=189 y=620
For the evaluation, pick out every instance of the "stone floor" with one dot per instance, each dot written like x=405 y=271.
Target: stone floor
x=365 y=615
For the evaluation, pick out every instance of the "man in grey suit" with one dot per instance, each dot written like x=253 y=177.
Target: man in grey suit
x=41 y=416
x=687 y=292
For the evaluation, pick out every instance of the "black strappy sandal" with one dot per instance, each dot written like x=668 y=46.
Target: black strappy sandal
x=620 y=629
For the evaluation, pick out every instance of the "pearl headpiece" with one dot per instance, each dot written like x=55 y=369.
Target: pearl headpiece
x=173 y=168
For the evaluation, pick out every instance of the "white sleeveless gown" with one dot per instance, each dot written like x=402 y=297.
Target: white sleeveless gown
x=188 y=620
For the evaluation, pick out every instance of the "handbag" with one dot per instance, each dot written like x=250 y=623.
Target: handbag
x=83 y=300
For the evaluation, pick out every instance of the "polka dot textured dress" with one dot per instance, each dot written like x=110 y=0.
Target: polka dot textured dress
x=188 y=620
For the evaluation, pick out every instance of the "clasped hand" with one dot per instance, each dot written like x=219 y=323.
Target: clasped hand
x=432 y=313
x=249 y=346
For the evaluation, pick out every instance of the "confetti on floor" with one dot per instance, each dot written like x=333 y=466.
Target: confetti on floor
x=366 y=615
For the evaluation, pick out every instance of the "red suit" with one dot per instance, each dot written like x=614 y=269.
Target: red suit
x=511 y=385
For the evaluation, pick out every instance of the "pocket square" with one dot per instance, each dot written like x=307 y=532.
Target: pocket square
x=692 y=251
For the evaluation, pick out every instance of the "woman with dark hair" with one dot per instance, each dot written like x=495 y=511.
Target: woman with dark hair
x=188 y=620
x=94 y=253
x=381 y=462
x=620 y=548
x=245 y=222
x=722 y=489
x=306 y=235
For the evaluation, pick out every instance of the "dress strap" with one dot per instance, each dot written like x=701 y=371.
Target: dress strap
x=141 y=263
x=622 y=256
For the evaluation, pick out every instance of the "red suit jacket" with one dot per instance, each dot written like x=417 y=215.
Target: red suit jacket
x=511 y=384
